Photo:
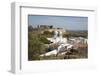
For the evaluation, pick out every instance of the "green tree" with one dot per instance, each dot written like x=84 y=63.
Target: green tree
x=30 y=28
x=35 y=47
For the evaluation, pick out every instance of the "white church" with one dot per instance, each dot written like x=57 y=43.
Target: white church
x=58 y=38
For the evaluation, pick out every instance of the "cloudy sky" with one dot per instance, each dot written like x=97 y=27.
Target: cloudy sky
x=66 y=22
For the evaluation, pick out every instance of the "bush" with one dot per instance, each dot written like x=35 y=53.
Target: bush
x=36 y=45
x=44 y=40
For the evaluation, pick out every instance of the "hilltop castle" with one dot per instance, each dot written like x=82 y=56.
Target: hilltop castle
x=50 y=28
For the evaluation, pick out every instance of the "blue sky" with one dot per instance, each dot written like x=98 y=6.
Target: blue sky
x=66 y=22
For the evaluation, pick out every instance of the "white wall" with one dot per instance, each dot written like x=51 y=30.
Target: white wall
x=5 y=32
